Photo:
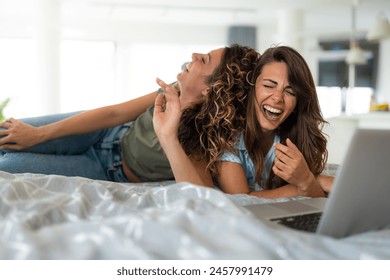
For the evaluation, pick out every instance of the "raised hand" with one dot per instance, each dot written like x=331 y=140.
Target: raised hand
x=167 y=112
x=291 y=166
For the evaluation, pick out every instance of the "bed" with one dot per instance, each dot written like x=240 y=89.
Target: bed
x=50 y=217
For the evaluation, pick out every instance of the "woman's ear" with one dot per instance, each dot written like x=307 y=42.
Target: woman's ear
x=205 y=91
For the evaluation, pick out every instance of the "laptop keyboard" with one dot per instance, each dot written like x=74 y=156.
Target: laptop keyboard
x=306 y=222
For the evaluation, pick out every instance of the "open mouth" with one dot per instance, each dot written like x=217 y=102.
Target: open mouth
x=187 y=66
x=271 y=112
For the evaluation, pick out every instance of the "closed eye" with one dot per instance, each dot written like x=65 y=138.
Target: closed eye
x=289 y=91
x=269 y=85
x=207 y=59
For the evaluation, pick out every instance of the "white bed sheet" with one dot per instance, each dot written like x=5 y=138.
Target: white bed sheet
x=56 y=217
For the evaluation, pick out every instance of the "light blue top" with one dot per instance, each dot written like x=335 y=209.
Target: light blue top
x=243 y=158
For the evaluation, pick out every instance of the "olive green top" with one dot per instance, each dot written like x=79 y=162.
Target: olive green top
x=142 y=151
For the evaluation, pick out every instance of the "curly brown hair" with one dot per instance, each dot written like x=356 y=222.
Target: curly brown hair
x=211 y=127
x=302 y=127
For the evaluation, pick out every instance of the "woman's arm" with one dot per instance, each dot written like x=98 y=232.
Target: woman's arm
x=284 y=191
x=184 y=169
x=232 y=178
x=18 y=135
x=166 y=125
x=290 y=190
x=326 y=182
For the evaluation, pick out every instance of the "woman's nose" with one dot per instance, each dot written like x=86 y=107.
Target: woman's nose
x=195 y=56
x=277 y=94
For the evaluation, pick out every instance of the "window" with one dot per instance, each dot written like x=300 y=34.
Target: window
x=330 y=99
x=333 y=93
x=87 y=75
x=18 y=77
x=92 y=73
x=335 y=100
x=334 y=72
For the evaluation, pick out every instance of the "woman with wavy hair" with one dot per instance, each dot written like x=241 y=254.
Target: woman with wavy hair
x=279 y=148
x=282 y=151
x=195 y=138
x=118 y=142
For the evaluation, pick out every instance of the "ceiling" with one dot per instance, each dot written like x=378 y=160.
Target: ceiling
x=326 y=16
x=213 y=12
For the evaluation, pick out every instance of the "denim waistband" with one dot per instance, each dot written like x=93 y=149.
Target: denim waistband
x=110 y=153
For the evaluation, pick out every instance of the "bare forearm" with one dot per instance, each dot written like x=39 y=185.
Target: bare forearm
x=290 y=190
x=284 y=191
x=326 y=182
x=81 y=123
x=311 y=188
x=97 y=119
x=183 y=168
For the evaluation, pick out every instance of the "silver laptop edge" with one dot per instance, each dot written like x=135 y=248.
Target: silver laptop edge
x=359 y=200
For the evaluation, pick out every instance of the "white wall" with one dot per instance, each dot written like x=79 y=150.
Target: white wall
x=383 y=94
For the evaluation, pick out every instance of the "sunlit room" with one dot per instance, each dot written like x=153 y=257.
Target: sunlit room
x=65 y=55
x=62 y=56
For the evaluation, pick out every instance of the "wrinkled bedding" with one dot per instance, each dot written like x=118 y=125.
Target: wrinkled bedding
x=56 y=217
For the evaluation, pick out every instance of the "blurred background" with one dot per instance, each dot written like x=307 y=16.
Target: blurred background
x=68 y=55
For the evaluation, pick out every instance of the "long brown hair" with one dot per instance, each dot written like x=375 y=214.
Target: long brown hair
x=303 y=126
x=211 y=127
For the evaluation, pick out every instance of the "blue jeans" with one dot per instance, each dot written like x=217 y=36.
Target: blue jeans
x=95 y=155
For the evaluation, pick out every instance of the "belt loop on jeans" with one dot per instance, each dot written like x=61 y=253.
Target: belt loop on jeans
x=109 y=145
x=114 y=140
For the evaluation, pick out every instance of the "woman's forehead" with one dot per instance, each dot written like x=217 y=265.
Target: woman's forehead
x=216 y=54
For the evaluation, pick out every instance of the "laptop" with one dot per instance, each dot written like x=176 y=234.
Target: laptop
x=360 y=196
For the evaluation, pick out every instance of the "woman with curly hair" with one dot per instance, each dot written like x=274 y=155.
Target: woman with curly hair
x=279 y=151
x=197 y=136
x=283 y=150
x=118 y=142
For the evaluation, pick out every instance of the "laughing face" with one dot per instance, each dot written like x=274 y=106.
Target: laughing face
x=274 y=96
x=192 y=78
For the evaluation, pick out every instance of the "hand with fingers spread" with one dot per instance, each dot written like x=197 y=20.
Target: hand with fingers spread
x=291 y=166
x=167 y=113
x=18 y=135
